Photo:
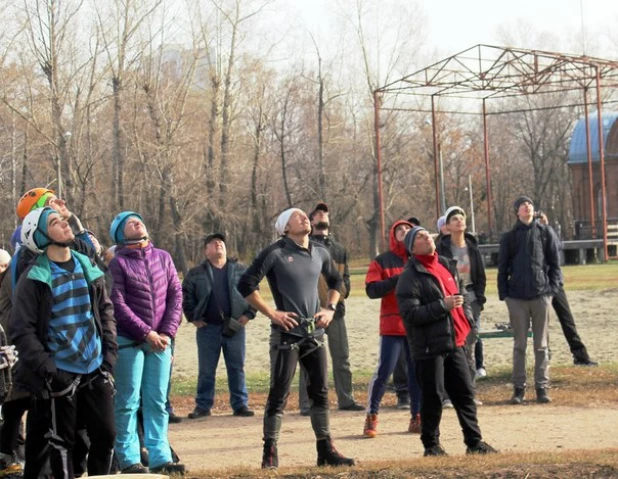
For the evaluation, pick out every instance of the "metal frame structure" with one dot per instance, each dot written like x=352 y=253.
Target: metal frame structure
x=486 y=72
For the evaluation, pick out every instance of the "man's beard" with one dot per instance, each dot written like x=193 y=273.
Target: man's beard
x=322 y=225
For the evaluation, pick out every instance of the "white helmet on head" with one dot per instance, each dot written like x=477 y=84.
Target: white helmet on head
x=30 y=227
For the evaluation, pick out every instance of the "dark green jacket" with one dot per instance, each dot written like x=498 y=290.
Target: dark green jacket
x=197 y=288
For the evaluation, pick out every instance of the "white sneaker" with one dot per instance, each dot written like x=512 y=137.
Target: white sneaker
x=481 y=373
x=478 y=402
x=447 y=404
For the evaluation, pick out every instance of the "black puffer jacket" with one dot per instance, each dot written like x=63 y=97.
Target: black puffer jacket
x=477 y=268
x=429 y=324
x=528 y=262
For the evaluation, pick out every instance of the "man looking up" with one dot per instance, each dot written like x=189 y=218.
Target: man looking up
x=63 y=327
x=336 y=331
x=293 y=266
x=437 y=319
x=528 y=277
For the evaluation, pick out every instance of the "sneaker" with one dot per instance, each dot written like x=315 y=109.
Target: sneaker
x=244 y=411
x=174 y=419
x=198 y=412
x=585 y=362
x=305 y=412
x=481 y=447
x=415 y=424
x=169 y=468
x=447 y=404
x=436 y=450
x=138 y=468
x=518 y=395
x=541 y=396
x=478 y=402
x=371 y=426
x=353 y=407
x=403 y=402
x=481 y=373
x=11 y=469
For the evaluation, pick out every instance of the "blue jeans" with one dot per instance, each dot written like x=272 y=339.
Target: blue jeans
x=390 y=349
x=210 y=343
x=142 y=374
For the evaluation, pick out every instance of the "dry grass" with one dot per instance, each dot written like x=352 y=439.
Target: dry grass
x=598 y=464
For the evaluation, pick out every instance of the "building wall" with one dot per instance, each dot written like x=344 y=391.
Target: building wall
x=581 y=189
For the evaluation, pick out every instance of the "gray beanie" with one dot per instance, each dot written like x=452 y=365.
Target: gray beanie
x=518 y=202
x=411 y=236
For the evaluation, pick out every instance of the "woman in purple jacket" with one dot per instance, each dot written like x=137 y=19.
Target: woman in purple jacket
x=147 y=298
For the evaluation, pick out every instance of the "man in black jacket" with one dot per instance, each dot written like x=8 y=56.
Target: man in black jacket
x=336 y=331
x=209 y=301
x=462 y=247
x=528 y=277
x=63 y=326
x=437 y=319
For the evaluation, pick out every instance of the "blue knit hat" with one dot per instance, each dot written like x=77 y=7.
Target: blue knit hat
x=411 y=236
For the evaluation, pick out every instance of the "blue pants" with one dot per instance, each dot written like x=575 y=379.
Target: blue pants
x=390 y=348
x=210 y=343
x=142 y=374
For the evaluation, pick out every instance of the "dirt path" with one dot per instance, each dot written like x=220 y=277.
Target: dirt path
x=223 y=441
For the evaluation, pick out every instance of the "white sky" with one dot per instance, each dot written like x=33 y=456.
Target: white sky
x=455 y=25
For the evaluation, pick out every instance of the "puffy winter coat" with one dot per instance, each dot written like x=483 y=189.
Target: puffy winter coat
x=381 y=281
x=146 y=294
x=429 y=323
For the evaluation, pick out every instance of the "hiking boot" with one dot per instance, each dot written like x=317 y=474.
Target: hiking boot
x=243 y=411
x=169 y=468
x=329 y=456
x=436 y=450
x=584 y=362
x=138 y=468
x=353 y=407
x=415 y=424
x=174 y=419
x=403 y=402
x=270 y=457
x=10 y=468
x=518 y=395
x=481 y=447
x=371 y=425
x=541 y=396
x=198 y=412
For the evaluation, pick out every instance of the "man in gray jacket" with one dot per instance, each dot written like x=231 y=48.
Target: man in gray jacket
x=528 y=278
x=213 y=305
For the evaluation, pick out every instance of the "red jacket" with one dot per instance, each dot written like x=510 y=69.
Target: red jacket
x=381 y=281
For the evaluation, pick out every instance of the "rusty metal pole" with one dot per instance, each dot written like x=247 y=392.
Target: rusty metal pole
x=602 y=165
x=376 y=106
x=435 y=156
x=590 y=172
x=487 y=172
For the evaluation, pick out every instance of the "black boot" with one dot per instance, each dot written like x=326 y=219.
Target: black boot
x=541 y=396
x=270 y=458
x=518 y=395
x=329 y=456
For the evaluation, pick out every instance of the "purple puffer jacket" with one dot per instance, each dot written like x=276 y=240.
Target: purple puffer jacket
x=147 y=294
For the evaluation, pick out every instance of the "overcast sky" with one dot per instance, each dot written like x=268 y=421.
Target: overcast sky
x=454 y=25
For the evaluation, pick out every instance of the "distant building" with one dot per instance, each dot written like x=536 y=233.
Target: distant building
x=578 y=165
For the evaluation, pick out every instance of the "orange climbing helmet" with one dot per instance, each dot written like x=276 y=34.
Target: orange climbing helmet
x=35 y=198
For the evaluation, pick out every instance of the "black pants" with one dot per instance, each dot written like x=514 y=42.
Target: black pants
x=12 y=414
x=285 y=357
x=560 y=303
x=52 y=426
x=448 y=372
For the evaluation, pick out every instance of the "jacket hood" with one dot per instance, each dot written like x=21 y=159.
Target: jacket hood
x=398 y=247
